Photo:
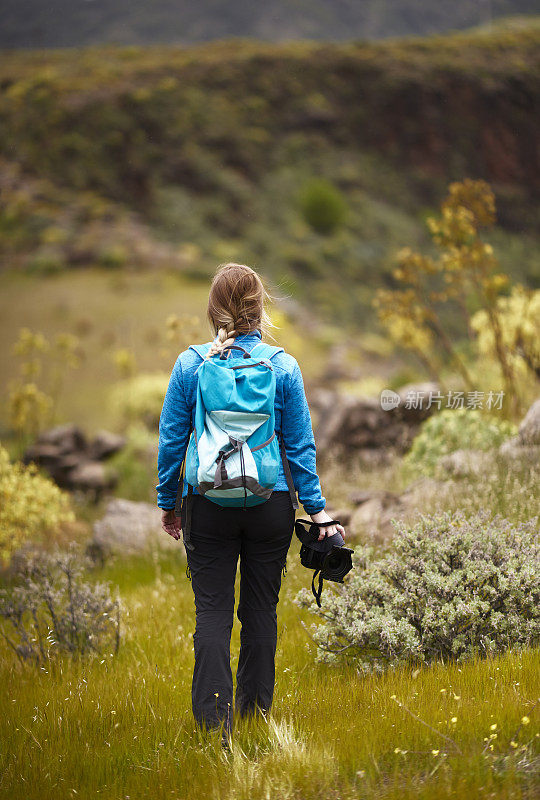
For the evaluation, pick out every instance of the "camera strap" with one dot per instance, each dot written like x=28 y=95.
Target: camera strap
x=186 y=502
x=287 y=470
x=319 y=524
x=317 y=594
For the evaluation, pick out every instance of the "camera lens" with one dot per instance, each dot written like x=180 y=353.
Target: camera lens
x=334 y=561
x=337 y=564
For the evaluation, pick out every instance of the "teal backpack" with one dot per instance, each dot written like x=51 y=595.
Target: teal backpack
x=234 y=451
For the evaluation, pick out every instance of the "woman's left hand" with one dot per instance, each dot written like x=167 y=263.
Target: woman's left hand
x=328 y=530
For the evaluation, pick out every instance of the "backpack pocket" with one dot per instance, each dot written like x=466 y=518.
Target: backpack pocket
x=192 y=460
x=267 y=460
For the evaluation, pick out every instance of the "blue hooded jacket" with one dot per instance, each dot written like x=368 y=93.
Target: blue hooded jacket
x=292 y=418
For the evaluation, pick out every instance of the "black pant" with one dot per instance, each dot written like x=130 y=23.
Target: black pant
x=261 y=536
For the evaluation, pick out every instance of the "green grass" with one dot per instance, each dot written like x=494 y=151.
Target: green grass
x=122 y=726
x=111 y=311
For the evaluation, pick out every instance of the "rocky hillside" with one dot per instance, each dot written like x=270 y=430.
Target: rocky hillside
x=122 y=121
x=188 y=156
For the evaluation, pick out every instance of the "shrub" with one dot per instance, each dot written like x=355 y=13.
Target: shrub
x=53 y=609
x=323 y=206
x=465 y=274
x=519 y=320
x=114 y=256
x=31 y=505
x=135 y=464
x=140 y=399
x=449 y=587
x=451 y=430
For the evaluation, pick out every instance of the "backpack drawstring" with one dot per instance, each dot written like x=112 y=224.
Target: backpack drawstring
x=243 y=471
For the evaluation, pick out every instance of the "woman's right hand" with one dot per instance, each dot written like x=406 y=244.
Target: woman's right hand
x=171 y=523
x=328 y=530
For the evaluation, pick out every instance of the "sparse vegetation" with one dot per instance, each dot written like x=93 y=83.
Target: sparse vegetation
x=464 y=281
x=52 y=609
x=34 y=395
x=454 y=429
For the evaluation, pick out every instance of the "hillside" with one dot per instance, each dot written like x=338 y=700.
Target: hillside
x=212 y=148
x=71 y=23
x=122 y=120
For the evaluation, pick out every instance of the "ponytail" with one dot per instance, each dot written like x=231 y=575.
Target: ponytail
x=224 y=339
x=235 y=305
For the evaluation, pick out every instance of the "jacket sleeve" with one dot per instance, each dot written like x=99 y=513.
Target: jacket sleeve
x=300 y=443
x=174 y=425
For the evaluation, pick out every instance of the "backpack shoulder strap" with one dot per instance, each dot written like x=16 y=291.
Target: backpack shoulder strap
x=264 y=350
x=201 y=349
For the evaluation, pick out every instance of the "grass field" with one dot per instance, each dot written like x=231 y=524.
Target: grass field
x=121 y=727
x=109 y=311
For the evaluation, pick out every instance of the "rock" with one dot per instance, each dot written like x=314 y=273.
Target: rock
x=346 y=423
x=63 y=467
x=71 y=461
x=105 y=444
x=372 y=518
x=91 y=475
x=342 y=514
x=465 y=463
x=41 y=454
x=513 y=449
x=360 y=496
x=65 y=437
x=529 y=430
x=526 y=445
x=129 y=527
x=417 y=401
x=415 y=495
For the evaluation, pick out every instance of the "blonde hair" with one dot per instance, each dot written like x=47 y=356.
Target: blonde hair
x=236 y=304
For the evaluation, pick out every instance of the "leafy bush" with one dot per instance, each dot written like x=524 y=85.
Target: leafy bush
x=450 y=587
x=31 y=505
x=451 y=430
x=53 y=609
x=519 y=320
x=140 y=399
x=114 y=256
x=135 y=464
x=323 y=205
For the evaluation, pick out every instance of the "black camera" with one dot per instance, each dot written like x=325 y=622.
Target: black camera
x=329 y=556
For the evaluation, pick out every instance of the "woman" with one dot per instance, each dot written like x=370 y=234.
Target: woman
x=260 y=535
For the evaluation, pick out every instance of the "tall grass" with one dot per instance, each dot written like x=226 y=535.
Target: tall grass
x=122 y=727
